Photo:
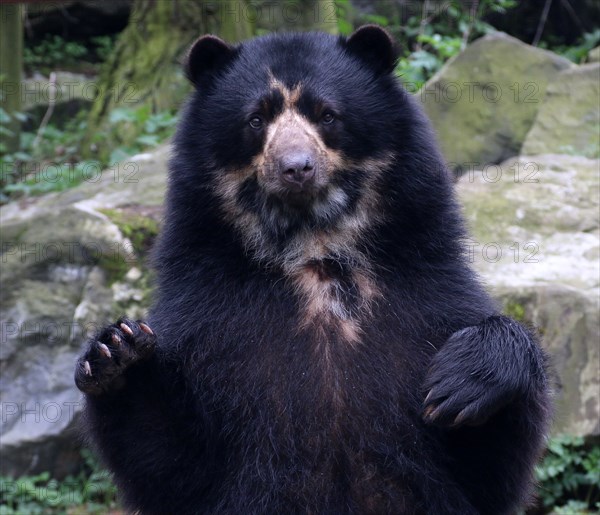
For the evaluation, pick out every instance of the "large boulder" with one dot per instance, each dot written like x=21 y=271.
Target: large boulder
x=483 y=102
x=568 y=120
x=69 y=261
x=536 y=244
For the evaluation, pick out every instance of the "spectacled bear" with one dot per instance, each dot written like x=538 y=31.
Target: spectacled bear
x=319 y=343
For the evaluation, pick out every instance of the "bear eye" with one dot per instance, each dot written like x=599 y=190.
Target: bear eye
x=256 y=122
x=327 y=118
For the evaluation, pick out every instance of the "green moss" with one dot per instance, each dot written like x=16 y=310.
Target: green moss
x=139 y=229
x=115 y=265
x=142 y=70
x=12 y=234
x=515 y=310
x=483 y=213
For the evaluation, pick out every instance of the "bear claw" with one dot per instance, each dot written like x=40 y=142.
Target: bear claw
x=126 y=329
x=145 y=328
x=429 y=396
x=104 y=350
x=460 y=418
x=111 y=352
x=430 y=413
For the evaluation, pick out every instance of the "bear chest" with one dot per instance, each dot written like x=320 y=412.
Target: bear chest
x=335 y=298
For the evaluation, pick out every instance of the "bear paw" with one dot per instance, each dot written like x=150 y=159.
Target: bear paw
x=465 y=386
x=110 y=353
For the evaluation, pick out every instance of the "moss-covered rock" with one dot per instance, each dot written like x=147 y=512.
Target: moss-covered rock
x=139 y=227
x=483 y=102
x=535 y=226
x=70 y=261
x=567 y=320
x=568 y=120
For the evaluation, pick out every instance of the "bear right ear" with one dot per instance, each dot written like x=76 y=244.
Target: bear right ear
x=375 y=47
x=206 y=57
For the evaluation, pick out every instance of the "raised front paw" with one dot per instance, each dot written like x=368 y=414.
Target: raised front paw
x=465 y=386
x=110 y=353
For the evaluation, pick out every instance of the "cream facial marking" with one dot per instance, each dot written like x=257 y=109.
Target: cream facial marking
x=330 y=304
x=290 y=97
x=290 y=129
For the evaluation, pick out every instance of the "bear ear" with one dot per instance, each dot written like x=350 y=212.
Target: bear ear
x=207 y=56
x=374 y=46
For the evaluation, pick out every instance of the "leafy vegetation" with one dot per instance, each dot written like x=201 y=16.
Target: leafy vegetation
x=90 y=492
x=569 y=479
x=46 y=163
x=52 y=161
x=429 y=38
x=141 y=230
x=139 y=128
x=578 y=53
x=569 y=476
x=431 y=34
x=53 y=52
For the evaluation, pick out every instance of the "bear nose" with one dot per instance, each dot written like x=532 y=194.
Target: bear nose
x=297 y=168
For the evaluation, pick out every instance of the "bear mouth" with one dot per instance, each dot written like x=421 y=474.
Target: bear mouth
x=294 y=195
x=317 y=205
x=301 y=198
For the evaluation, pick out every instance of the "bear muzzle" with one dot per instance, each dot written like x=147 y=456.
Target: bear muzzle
x=297 y=170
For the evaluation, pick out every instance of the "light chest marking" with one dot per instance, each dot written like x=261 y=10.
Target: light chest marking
x=337 y=296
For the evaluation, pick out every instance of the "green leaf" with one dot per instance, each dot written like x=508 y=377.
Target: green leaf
x=4 y=116
x=22 y=156
x=149 y=140
x=117 y=155
x=121 y=114
x=22 y=117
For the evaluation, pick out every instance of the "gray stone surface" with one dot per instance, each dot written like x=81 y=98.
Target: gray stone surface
x=66 y=267
x=537 y=246
x=568 y=120
x=483 y=102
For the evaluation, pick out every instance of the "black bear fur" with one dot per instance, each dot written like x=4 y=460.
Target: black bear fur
x=415 y=397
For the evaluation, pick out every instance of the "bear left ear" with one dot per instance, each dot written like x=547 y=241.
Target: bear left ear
x=206 y=57
x=375 y=47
